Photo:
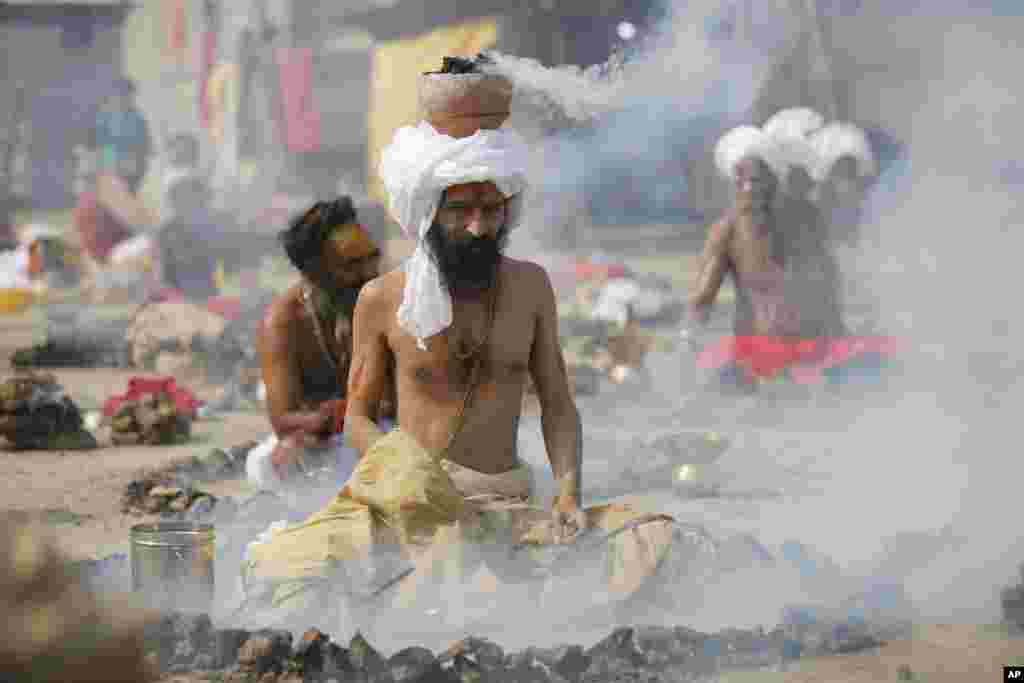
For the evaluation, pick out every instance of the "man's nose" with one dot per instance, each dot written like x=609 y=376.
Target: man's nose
x=476 y=225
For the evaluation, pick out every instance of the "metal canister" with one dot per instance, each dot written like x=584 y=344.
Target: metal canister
x=172 y=565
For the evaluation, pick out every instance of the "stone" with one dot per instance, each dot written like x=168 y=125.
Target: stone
x=487 y=654
x=617 y=654
x=226 y=644
x=310 y=651
x=1012 y=600
x=523 y=667
x=568 y=661
x=265 y=651
x=465 y=670
x=336 y=661
x=363 y=656
x=415 y=665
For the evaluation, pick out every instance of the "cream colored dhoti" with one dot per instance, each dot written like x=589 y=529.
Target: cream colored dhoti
x=429 y=508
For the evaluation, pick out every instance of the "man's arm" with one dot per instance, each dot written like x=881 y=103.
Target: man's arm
x=560 y=421
x=713 y=265
x=368 y=376
x=281 y=376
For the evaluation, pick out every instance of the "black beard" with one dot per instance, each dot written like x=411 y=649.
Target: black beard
x=467 y=266
x=337 y=298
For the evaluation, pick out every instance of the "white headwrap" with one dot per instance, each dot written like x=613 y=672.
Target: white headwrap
x=838 y=140
x=743 y=142
x=417 y=167
x=790 y=131
x=795 y=122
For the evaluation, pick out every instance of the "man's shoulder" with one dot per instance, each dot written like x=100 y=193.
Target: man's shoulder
x=383 y=291
x=283 y=310
x=521 y=272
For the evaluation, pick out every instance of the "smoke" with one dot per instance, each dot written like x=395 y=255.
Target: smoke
x=913 y=484
x=906 y=479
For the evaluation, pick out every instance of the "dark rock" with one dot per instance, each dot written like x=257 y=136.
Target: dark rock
x=461 y=669
x=1012 y=600
x=336 y=661
x=416 y=665
x=746 y=649
x=568 y=661
x=227 y=643
x=364 y=657
x=659 y=646
x=487 y=654
x=310 y=651
x=617 y=654
x=849 y=638
x=205 y=661
x=177 y=639
x=524 y=667
x=265 y=651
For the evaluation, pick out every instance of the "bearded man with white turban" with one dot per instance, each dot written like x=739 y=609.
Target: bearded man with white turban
x=786 y=281
x=846 y=168
x=463 y=327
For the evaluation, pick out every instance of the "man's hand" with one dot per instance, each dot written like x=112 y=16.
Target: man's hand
x=333 y=415
x=568 y=519
x=287 y=459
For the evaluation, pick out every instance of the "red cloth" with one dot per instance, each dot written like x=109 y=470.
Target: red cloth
x=140 y=387
x=99 y=230
x=301 y=119
x=586 y=270
x=805 y=359
x=207 y=57
x=176 y=37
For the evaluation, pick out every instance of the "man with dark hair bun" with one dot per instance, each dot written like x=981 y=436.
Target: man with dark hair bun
x=305 y=342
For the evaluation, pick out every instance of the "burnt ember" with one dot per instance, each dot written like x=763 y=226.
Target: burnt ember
x=180 y=643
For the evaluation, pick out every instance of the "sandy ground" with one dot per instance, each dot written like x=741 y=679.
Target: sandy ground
x=89 y=484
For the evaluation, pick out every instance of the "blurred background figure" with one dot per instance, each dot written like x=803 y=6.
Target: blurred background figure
x=189 y=242
x=121 y=137
x=182 y=160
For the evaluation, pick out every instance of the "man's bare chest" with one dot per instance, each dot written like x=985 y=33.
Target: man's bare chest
x=461 y=355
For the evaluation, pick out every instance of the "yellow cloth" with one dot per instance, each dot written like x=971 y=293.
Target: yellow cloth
x=431 y=507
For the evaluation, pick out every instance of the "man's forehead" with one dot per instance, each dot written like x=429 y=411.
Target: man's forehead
x=352 y=242
x=466 y=191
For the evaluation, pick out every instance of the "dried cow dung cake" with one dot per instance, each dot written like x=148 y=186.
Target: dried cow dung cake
x=153 y=420
x=36 y=413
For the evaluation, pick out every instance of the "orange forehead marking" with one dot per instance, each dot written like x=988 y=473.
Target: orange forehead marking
x=353 y=242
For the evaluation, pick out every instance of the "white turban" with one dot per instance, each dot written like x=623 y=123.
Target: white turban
x=746 y=142
x=795 y=122
x=790 y=131
x=838 y=140
x=417 y=167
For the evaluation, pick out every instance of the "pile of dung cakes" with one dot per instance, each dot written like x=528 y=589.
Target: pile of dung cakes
x=36 y=413
x=53 y=628
x=151 y=419
x=1012 y=598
